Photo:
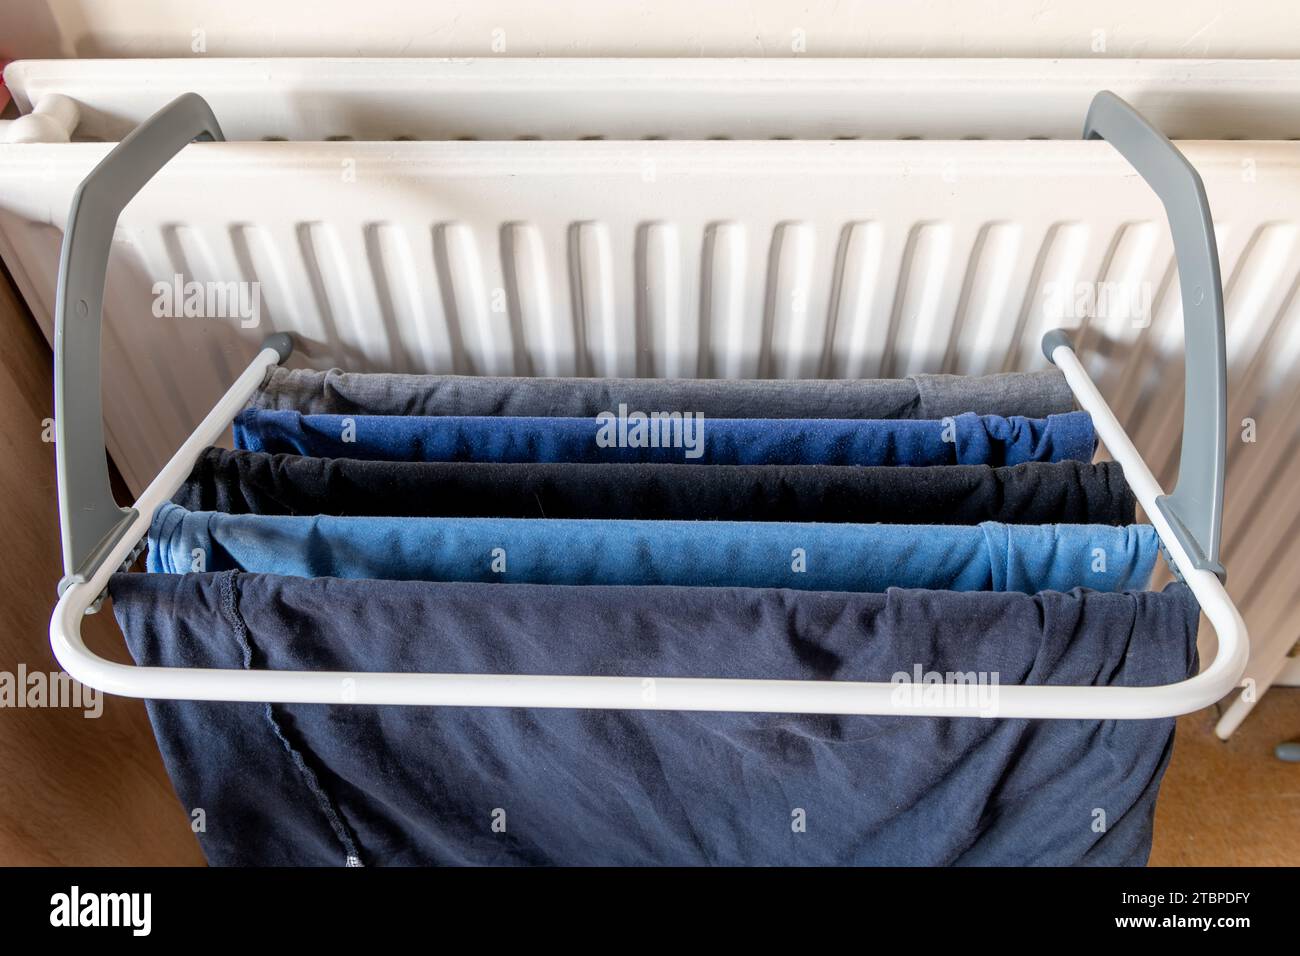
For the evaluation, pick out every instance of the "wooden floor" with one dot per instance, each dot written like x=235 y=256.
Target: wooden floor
x=93 y=792
x=73 y=790
x=1233 y=803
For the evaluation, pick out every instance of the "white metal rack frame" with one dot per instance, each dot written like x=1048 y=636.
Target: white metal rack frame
x=99 y=537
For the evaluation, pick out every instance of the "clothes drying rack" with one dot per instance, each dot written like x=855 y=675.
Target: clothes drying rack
x=99 y=537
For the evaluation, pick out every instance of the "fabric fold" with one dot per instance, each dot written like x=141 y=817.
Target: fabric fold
x=1070 y=492
x=804 y=556
x=483 y=786
x=333 y=392
x=966 y=439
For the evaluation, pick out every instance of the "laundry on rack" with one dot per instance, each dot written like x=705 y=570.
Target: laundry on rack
x=334 y=392
x=806 y=556
x=966 y=439
x=1068 y=492
x=545 y=531
x=349 y=784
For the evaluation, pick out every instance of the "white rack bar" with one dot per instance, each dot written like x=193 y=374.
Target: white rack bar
x=646 y=692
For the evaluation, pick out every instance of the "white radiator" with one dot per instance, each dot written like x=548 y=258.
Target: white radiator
x=366 y=99
x=801 y=258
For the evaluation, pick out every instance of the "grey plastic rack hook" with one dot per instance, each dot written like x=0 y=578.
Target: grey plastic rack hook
x=91 y=521
x=1195 y=508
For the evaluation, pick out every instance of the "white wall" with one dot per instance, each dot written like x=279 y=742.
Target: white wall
x=1112 y=28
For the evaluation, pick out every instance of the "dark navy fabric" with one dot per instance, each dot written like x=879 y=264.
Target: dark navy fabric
x=821 y=556
x=1067 y=492
x=332 y=785
x=964 y=440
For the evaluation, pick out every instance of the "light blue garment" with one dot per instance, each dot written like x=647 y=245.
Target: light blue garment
x=805 y=556
x=962 y=440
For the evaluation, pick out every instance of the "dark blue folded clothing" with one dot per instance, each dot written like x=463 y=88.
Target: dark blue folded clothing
x=964 y=440
x=299 y=784
x=1031 y=493
x=1066 y=492
x=821 y=556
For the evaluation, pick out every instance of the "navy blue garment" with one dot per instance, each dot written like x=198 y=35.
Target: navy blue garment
x=1065 y=492
x=822 y=556
x=313 y=784
x=965 y=440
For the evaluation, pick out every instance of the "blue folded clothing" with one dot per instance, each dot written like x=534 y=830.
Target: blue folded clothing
x=964 y=440
x=329 y=785
x=773 y=554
